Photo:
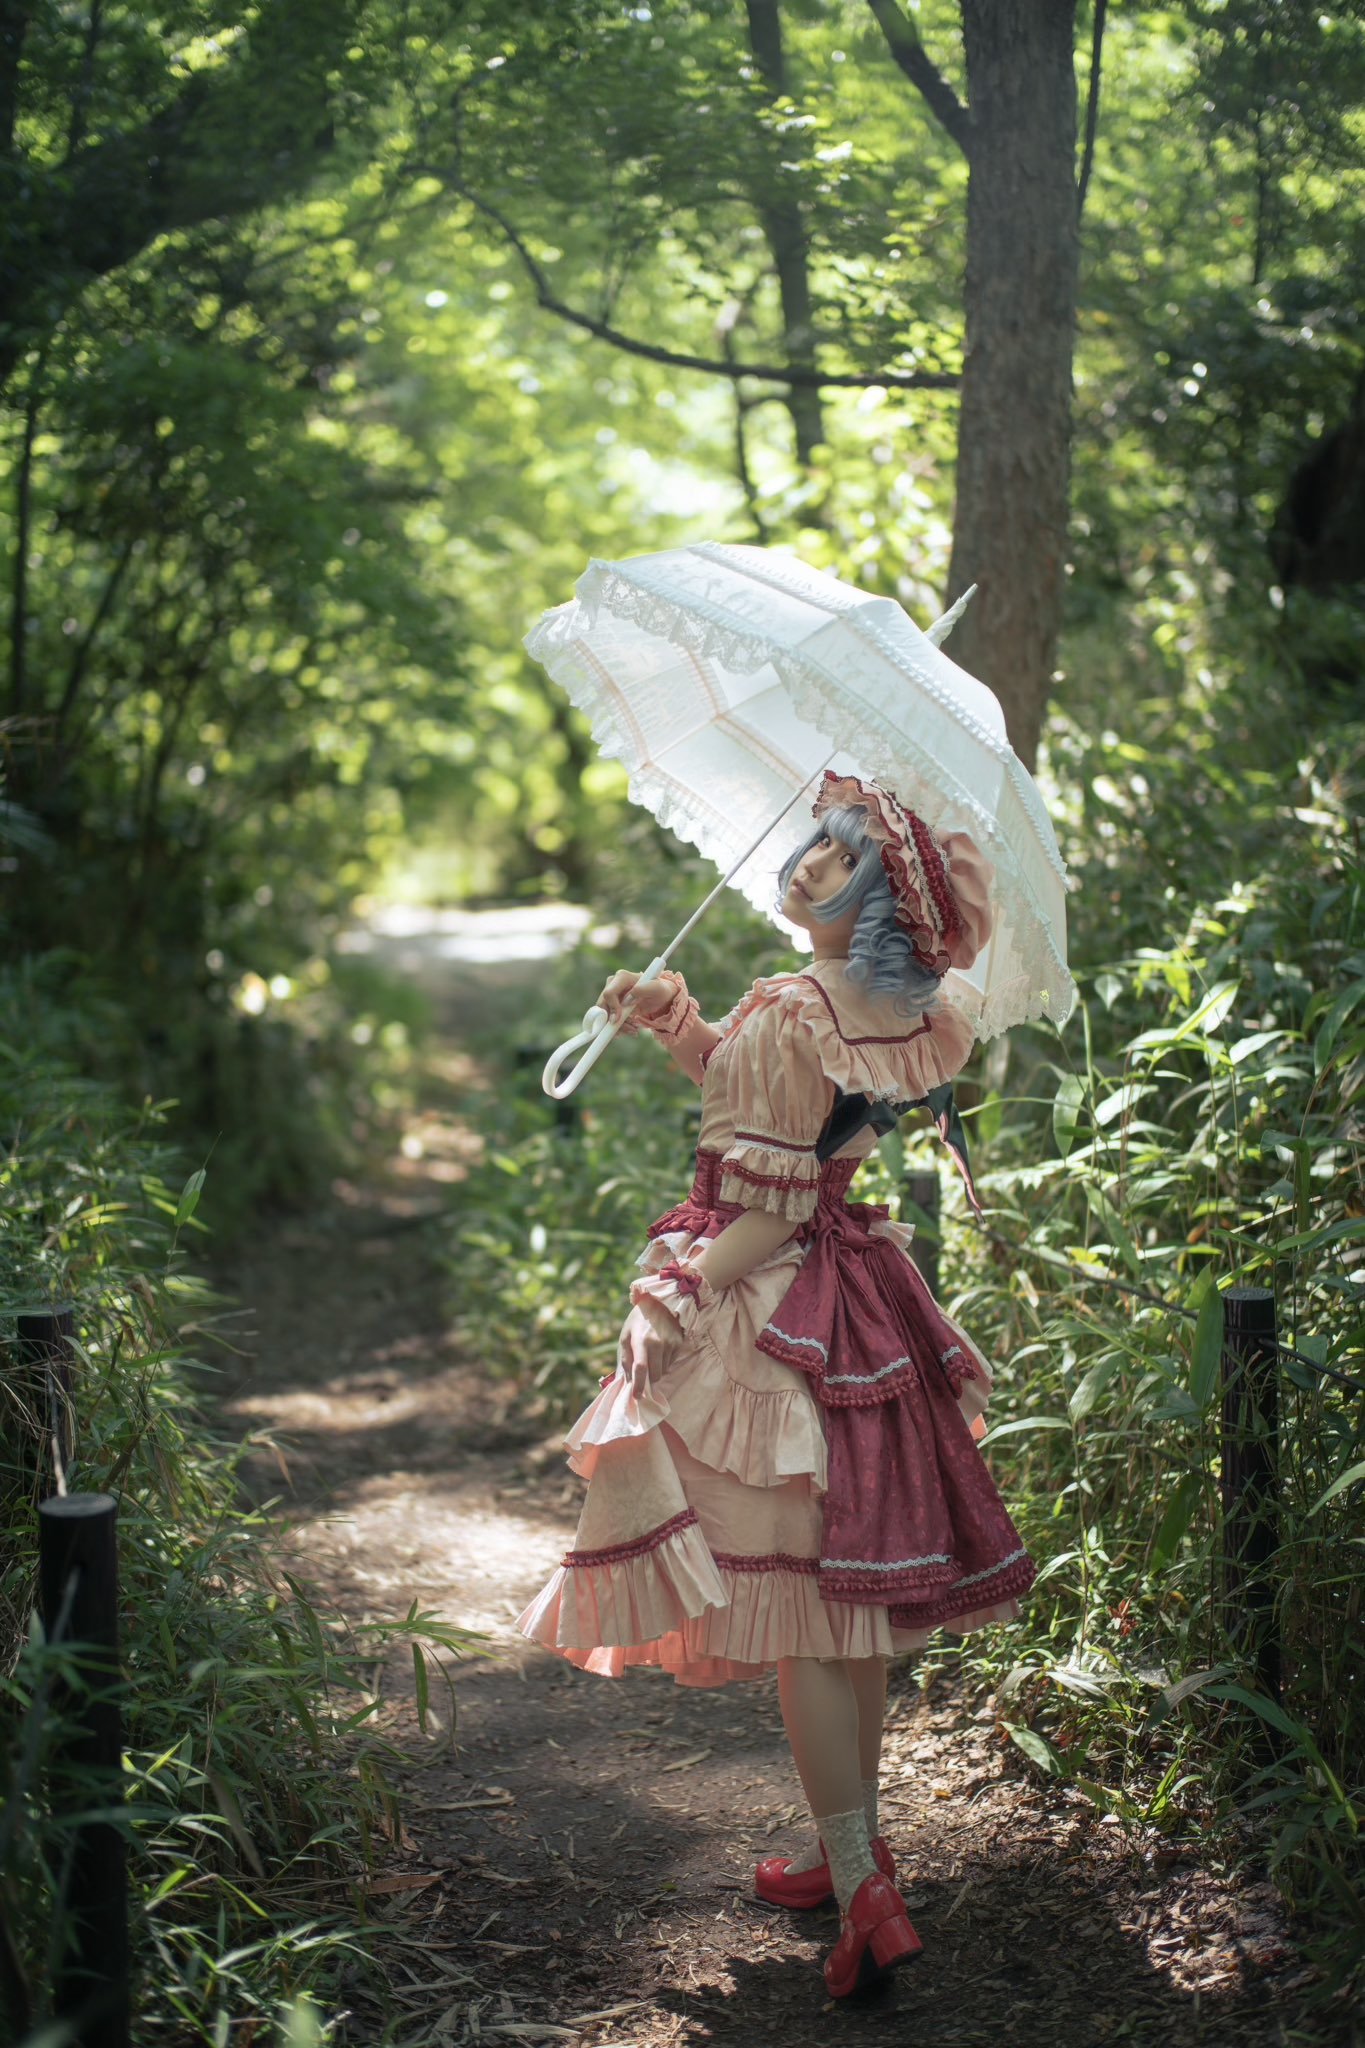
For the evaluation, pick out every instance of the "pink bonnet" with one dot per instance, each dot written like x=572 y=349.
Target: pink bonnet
x=942 y=886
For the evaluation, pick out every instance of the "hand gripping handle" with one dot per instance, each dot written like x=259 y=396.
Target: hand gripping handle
x=597 y=1034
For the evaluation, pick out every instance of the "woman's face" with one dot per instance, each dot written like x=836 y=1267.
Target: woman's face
x=821 y=873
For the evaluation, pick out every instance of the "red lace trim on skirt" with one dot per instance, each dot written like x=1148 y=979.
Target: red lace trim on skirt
x=639 y=1546
x=774 y=1561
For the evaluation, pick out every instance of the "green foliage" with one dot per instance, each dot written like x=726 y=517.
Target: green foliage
x=255 y=1788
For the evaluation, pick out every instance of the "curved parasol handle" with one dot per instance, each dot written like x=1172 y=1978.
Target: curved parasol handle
x=597 y=1034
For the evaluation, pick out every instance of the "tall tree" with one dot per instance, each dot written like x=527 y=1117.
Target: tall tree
x=694 y=152
x=1017 y=129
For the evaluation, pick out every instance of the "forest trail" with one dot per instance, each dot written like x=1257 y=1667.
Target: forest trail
x=577 y=1869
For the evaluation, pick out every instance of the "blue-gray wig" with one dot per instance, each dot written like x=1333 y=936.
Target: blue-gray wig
x=880 y=957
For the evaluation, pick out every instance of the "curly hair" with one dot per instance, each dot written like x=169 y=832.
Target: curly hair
x=880 y=957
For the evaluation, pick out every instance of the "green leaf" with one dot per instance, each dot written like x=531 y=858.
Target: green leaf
x=1066 y=1110
x=1255 y=1041
x=419 y=1673
x=189 y=1197
x=1120 y=1101
x=1109 y=1219
x=1037 y=1750
x=1107 y=1800
x=1091 y=1386
x=1210 y=1013
x=1344 y=1228
x=1269 y=1711
x=1207 y=1350
x=987 y=1118
x=1339 y=1485
x=1171 y=1696
x=1176 y=1520
x=1021 y=1423
x=1331 y=1024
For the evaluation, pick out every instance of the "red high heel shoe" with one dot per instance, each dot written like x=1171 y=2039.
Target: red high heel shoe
x=876 y=1935
x=803 y=1889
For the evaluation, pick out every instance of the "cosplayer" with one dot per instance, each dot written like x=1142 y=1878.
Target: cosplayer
x=782 y=1473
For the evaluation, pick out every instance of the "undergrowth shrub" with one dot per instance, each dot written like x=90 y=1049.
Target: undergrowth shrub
x=256 y=1795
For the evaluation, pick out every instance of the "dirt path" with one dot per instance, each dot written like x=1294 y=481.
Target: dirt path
x=580 y=1864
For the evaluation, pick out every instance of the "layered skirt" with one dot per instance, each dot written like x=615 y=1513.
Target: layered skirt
x=801 y=1480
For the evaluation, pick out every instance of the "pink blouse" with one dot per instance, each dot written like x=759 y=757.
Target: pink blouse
x=769 y=1071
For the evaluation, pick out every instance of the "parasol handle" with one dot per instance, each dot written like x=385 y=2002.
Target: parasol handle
x=597 y=1034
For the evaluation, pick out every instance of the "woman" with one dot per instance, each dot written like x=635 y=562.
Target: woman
x=782 y=1471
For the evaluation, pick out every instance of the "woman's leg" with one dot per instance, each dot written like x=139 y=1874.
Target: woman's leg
x=869 y=1689
x=868 y=1677
x=820 y=1714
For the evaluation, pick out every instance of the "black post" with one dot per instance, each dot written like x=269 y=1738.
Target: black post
x=46 y=1351
x=77 y=1533
x=1250 y=1458
x=923 y=1189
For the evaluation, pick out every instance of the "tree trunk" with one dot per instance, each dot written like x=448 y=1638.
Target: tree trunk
x=785 y=233
x=1014 y=431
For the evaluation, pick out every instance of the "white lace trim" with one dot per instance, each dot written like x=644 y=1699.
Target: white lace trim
x=864 y=1379
x=900 y=1564
x=813 y=1342
x=1040 y=984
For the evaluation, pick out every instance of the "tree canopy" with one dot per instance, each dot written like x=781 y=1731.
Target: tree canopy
x=336 y=339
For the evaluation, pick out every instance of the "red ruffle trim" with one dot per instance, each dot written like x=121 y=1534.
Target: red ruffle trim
x=983 y=1589
x=767 y=1180
x=639 y=1546
x=774 y=1561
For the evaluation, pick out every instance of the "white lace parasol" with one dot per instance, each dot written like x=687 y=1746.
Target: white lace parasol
x=724 y=678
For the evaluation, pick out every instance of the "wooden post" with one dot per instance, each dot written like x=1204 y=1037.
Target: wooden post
x=922 y=1187
x=77 y=1534
x=1250 y=1459
x=46 y=1351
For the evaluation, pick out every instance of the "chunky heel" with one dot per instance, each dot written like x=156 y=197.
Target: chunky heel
x=875 y=1935
x=895 y=1941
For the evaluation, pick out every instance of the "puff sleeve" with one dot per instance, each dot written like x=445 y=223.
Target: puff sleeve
x=779 y=1098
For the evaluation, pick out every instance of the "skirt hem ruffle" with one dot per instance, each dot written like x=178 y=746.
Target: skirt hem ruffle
x=710 y=1618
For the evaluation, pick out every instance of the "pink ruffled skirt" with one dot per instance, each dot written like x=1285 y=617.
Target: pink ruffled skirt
x=698 y=1547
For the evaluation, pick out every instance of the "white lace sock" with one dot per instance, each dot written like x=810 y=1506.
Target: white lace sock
x=814 y=1853
x=870 y=1805
x=810 y=1857
x=850 y=1853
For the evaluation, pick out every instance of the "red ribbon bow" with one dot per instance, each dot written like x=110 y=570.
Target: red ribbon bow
x=689 y=1284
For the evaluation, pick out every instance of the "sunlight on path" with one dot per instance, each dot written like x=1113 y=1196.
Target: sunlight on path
x=448 y=1542
x=411 y=937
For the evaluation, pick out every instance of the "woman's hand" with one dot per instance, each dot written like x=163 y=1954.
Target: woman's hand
x=649 y=1337
x=646 y=996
